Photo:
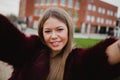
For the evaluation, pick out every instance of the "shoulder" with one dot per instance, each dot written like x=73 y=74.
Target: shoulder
x=77 y=54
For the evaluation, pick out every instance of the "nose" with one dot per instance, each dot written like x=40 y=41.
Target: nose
x=54 y=35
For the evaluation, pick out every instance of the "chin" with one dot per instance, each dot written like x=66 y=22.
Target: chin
x=56 y=50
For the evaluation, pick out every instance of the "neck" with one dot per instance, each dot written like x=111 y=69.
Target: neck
x=54 y=53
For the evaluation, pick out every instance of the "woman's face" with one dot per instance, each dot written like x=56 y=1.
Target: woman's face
x=55 y=34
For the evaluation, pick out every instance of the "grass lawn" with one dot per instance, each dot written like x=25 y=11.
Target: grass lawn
x=85 y=43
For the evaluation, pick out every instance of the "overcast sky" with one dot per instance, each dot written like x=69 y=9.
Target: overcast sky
x=12 y=6
x=9 y=7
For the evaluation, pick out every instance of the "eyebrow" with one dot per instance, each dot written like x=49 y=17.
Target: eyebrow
x=56 y=27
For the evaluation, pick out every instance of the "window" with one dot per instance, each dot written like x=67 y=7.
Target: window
x=98 y=20
x=89 y=7
x=42 y=2
x=37 y=2
x=41 y=11
x=92 y=18
x=111 y=13
x=99 y=10
x=36 y=12
x=103 y=11
x=107 y=21
x=76 y=16
x=77 y=5
x=48 y=2
x=110 y=22
x=102 y=20
x=35 y=24
x=115 y=14
x=88 y=17
x=63 y=2
x=94 y=8
x=70 y=3
x=108 y=12
x=54 y=2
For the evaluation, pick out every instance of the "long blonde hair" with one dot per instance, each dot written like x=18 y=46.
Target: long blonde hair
x=57 y=64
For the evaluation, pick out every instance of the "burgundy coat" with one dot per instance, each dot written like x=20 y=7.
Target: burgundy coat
x=31 y=60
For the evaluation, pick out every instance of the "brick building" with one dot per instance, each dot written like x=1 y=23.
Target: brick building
x=89 y=16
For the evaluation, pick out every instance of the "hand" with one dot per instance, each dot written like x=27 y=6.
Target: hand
x=5 y=70
x=113 y=52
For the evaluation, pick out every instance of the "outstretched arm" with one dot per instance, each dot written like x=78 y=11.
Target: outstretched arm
x=14 y=45
x=102 y=61
x=112 y=52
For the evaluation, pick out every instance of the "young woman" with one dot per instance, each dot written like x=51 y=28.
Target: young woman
x=52 y=56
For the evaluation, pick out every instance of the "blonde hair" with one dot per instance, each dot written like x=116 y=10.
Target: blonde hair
x=57 y=64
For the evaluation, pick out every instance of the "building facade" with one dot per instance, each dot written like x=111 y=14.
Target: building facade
x=89 y=16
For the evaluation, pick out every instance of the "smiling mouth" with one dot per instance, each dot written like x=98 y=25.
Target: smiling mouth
x=55 y=44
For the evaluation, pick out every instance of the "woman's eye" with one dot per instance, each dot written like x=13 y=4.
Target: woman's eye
x=47 y=31
x=60 y=30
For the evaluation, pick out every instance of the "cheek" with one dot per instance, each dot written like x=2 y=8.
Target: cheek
x=46 y=37
x=65 y=36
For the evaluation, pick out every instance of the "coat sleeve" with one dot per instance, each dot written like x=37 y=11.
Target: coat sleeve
x=14 y=45
x=98 y=60
x=93 y=64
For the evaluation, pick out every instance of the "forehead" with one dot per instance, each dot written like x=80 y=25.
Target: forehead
x=53 y=22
